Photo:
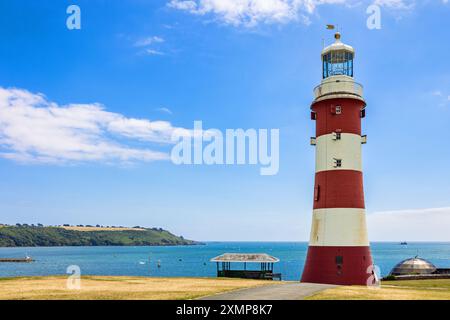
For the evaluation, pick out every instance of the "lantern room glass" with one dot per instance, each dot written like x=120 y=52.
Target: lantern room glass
x=338 y=62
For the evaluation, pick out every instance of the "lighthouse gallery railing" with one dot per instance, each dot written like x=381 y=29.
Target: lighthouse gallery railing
x=338 y=86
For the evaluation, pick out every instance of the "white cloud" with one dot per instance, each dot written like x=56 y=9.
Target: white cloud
x=252 y=12
x=148 y=45
x=164 y=110
x=437 y=93
x=183 y=5
x=396 y=4
x=144 y=42
x=33 y=129
x=249 y=12
x=410 y=225
x=153 y=52
x=442 y=98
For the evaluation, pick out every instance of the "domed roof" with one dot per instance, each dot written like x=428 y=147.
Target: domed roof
x=338 y=45
x=413 y=266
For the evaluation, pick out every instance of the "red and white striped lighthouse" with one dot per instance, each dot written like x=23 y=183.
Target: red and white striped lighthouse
x=339 y=251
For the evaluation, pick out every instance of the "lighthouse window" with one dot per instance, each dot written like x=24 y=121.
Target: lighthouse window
x=337 y=163
x=364 y=139
x=336 y=109
x=338 y=62
x=336 y=136
x=316 y=193
x=339 y=259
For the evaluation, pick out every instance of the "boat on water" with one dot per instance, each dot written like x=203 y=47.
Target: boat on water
x=404 y=243
x=26 y=259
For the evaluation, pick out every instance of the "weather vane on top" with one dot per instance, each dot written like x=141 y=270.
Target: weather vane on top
x=331 y=27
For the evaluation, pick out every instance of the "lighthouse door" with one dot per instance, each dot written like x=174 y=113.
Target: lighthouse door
x=339 y=262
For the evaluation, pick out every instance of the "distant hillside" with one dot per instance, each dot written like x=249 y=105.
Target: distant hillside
x=34 y=236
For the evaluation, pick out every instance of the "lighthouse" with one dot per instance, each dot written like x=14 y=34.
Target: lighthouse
x=338 y=251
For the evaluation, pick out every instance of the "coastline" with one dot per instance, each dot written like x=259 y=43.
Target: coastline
x=191 y=260
x=73 y=236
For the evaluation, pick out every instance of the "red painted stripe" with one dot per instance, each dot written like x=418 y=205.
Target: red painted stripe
x=349 y=121
x=339 y=189
x=322 y=265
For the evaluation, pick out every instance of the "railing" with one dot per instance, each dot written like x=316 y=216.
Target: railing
x=338 y=87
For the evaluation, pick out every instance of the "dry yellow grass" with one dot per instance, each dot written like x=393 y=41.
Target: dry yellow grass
x=391 y=290
x=130 y=288
x=100 y=229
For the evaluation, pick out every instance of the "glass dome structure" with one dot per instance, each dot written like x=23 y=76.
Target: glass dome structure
x=413 y=266
x=337 y=59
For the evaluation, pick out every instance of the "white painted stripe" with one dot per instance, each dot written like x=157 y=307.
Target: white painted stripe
x=348 y=149
x=339 y=227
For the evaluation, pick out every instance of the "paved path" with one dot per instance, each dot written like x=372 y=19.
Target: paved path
x=288 y=291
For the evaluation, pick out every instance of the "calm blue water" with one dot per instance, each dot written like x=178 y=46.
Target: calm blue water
x=193 y=261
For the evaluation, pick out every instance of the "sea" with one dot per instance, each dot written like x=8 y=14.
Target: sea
x=194 y=261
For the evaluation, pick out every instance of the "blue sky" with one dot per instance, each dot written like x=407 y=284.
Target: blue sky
x=173 y=62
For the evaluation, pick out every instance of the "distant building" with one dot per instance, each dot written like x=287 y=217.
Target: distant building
x=418 y=268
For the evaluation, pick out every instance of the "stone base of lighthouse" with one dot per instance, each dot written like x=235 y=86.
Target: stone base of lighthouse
x=338 y=265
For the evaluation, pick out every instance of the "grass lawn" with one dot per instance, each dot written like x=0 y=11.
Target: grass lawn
x=391 y=290
x=107 y=287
